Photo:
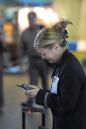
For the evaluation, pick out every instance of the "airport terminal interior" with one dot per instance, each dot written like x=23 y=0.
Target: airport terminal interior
x=13 y=21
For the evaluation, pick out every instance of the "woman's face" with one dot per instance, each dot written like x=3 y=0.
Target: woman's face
x=52 y=55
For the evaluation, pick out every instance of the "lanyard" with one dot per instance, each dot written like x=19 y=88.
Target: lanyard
x=54 y=85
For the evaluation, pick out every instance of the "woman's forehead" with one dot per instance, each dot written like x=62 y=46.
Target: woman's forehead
x=41 y=50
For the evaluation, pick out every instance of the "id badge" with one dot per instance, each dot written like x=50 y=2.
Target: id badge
x=54 y=84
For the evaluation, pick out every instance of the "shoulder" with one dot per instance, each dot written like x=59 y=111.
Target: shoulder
x=25 y=31
x=72 y=65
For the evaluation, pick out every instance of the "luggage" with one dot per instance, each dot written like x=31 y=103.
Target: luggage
x=33 y=109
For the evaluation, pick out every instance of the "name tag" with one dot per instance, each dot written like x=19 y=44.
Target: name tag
x=54 y=84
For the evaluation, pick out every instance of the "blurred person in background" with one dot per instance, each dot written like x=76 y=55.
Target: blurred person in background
x=1 y=70
x=37 y=66
x=67 y=95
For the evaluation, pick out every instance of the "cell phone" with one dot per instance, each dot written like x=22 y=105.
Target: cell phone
x=27 y=86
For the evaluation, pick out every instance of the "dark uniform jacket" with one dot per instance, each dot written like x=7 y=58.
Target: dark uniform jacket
x=68 y=105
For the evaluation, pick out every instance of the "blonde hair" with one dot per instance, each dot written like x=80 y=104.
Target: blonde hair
x=56 y=34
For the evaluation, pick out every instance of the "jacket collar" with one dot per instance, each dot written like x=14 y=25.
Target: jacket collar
x=59 y=64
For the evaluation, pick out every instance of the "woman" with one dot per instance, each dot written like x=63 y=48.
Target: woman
x=67 y=95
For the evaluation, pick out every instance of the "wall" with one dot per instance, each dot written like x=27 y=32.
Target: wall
x=75 y=10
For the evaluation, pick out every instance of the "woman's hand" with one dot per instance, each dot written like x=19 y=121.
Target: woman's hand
x=32 y=93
